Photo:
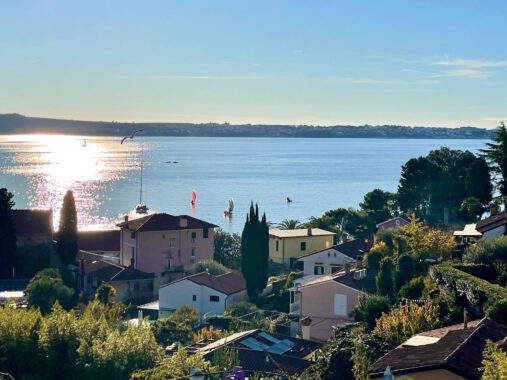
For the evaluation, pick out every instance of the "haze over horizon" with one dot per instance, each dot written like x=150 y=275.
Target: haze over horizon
x=320 y=63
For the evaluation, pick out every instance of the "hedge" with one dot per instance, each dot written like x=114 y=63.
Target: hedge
x=481 y=294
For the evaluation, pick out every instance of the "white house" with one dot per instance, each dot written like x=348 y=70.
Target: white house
x=208 y=294
x=334 y=259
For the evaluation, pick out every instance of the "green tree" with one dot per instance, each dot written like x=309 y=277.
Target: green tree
x=385 y=279
x=46 y=288
x=478 y=181
x=379 y=205
x=67 y=231
x=289 y=224
x=226 y=357
x=471 y=208
x=494 y=362
x=413 y=289
x=375 y=255
x=227 y=249
x=7 y=235
x=255 y=252
x=212 y=267
x=404 y=270
x=370 y=308
x=496 y=156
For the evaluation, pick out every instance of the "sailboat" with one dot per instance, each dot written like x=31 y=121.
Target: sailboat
x=84 y=143
x=193 y=197
x=229 y=208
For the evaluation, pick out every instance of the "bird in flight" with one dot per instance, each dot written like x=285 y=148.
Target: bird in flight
x=131 y=136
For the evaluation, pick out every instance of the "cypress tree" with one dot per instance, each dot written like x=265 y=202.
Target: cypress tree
x=385 y=279
x=7 y=234
x=255 y=252
x=404 y=270
x=67 y=231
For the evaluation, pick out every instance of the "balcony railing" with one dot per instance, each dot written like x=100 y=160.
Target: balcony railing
x=294 y=308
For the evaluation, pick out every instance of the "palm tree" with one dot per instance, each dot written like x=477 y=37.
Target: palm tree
x=496 y=155
x=290 y=224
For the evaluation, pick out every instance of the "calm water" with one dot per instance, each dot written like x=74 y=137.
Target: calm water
x=318 y=174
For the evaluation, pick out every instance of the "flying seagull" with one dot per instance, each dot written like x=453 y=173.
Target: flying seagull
x=131 y=136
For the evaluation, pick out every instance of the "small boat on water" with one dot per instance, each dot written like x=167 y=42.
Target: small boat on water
x=193 y=197
x=230 y=207
x=142 y=209
x=84 y=143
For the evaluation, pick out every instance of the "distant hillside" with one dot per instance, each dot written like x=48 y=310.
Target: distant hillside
x=19 y=124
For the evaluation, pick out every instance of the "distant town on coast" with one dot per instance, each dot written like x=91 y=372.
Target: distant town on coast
x=20 y=124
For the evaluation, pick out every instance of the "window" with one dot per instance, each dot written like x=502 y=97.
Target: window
x=340 y=304
x=205 y=233
x=194 y=235
x=303 y=246
x=291 y=297
x=397 y=222
x=133 y=253
x=172 y=241
x=318 y=269
x=133 y=235
x=194 y=297
x=168 y=264
x=192 y=252
x=214 y=298
x=276 y=245
x=335 y=268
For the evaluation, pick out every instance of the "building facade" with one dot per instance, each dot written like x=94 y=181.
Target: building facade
x=286 y=246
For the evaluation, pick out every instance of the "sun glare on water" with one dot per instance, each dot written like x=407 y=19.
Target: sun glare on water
x=54 y=164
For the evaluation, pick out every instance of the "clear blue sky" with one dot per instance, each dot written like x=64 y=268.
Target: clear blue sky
x=426 y=62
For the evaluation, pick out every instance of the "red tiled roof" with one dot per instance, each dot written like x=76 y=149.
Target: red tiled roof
x=99 y=240
x=163 y=222
x=33 y=221
x=227 y=283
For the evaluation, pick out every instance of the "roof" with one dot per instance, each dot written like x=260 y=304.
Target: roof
x=33 y=221
x=252 y=360
x=488 y=224
x=259 y=340
x=99 y=240
x=468 y=230
x=100 y=269
x=300 y=232
x=164 y=222
x=392 y=221
x=456 y=349
x=227 y=283
x=354 y=248
x=130 y=273
x=364 y=283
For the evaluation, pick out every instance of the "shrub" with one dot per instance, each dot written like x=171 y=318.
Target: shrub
x=370 y=308
x=212 y=267
x=385 y=279
x=404 y=270
x=46 y=288
x=497 y=311
x=486 y=250
x=375 y=255
x=413 y=289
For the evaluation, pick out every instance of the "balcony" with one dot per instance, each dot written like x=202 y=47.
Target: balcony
x=294 y=308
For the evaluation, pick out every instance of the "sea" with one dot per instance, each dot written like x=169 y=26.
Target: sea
x=105 y=175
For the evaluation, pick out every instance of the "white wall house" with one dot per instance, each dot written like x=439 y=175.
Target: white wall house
x=334 y=259
x=208 y=294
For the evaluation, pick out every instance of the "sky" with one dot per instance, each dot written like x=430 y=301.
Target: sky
x=319 y=62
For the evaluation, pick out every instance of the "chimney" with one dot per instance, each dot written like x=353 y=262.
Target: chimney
x=183 y=222
x=126 y=218
x=359 y=262
x=309 y=232
x=493 y=208
x=345 y=238
x=465 y=318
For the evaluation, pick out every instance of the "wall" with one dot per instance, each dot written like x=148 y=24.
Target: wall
x=317 y=302
x=494 y=233
x=32 y=239
x=327 y=258
x=440 y=374
x=291 y=247
x=154 y=250
x=180 y=293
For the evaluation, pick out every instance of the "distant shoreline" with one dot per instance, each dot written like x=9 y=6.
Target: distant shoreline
x=11 y=124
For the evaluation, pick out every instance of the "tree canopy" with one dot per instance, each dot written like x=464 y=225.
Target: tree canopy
x=7 y=235
x=46 y=288
x=67 y=231
x=227 y=249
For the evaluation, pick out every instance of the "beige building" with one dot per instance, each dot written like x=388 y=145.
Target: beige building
x=321 y=302
x=286 y=246
x=163 y=243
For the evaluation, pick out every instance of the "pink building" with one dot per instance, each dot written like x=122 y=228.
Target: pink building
x=163 y=243
x=321 y=302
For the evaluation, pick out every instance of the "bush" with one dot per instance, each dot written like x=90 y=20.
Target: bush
x=479 y=293
x=486 y=250
x=404 y=270
x=46 y=288
x=212 y=267
x=385 y=279
x=375 y=256
x=483 y=271
x=497 y=311
x=413 y=289
x=370 y=308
